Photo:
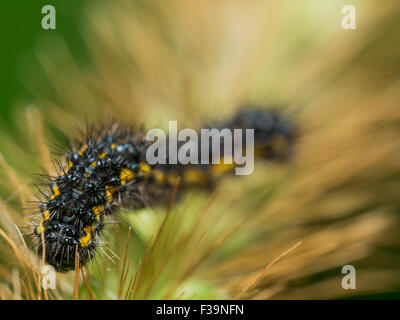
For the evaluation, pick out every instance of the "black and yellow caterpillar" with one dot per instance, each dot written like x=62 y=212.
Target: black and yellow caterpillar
x=109 y=170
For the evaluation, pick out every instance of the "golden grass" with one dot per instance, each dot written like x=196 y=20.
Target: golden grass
x=198 y=60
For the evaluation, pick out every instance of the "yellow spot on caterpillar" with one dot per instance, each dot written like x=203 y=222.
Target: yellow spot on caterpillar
x=102 y=155
x=109 y=193
x=159 y=176
x=46 y=215
x=194 y=176
x=85 y=240
x=173 y=178
x=126 y=175
x=56 y=191
x=93 y=164
x=145 y=169
x=97 y=210
x=222 y=167
x=83 y=149
x=40 y=228
x=113 y=146
x=70 y=164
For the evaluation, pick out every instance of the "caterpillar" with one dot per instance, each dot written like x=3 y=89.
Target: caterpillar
x=109 y=170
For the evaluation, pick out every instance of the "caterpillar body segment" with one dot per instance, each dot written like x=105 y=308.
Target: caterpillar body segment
x=109 y=170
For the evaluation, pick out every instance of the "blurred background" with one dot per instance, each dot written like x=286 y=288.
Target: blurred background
x=146 y=62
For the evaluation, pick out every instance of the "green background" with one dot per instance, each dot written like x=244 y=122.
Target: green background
x=20 y=32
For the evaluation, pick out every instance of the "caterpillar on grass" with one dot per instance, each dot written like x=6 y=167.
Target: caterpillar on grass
x=109 y=170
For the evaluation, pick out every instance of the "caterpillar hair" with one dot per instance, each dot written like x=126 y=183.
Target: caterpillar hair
x=109 y=170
